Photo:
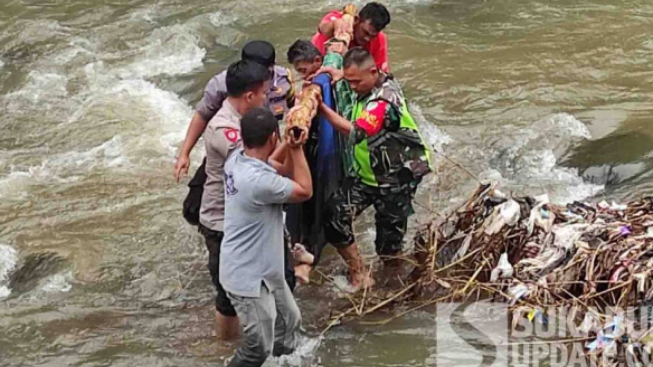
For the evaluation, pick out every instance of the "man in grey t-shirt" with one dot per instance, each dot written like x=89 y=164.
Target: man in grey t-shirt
x=252 y=259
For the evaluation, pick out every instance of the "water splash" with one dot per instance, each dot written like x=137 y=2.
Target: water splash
x=525 y=159
x=434 y=136
x=8 y=260
x=42 y=90
x=221 y=19
x=168 y=51
x=66 y=167
x=303 y=356
x=58 y=283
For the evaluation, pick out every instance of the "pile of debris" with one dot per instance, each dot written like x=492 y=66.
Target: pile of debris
x=537 y=255
x=592 y=258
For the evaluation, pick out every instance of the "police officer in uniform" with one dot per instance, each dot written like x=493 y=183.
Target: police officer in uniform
x=280 y=98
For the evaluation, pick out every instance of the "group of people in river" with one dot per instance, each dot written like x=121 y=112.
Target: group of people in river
x=252 y=171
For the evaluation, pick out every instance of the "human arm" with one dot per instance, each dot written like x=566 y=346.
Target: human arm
x=195 y=130
x=280 y=160
x=339 y=123
x=214 y=95
x=371 y=120
x=336 y=74
x=328 y=26
x=332 y=24
x=273 y=188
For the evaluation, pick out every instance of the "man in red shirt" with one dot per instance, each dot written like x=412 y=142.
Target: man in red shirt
x=368 y=27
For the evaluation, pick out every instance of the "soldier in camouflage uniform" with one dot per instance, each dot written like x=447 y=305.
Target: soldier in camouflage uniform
x=389 y=161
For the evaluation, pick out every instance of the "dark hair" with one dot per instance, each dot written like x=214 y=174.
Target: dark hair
x=357 y=56
x=260 y=51
x=376 y=14
x=245 y=76
x=257 y=126
x=302 y=50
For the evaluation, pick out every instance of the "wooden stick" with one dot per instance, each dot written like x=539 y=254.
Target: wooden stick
x=395 y=296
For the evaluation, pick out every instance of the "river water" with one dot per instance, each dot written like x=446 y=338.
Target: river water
x=97 y=266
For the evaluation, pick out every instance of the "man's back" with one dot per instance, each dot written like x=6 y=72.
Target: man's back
x=252 y=250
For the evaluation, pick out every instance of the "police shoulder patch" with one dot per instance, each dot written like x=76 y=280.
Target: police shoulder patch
x=231 y=135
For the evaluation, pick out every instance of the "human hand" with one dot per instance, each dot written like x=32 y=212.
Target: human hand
x=296 y=136
x=292 y=111
x=337 y=47
x=342 y=27
x=181 y=166
x=336 y=74
x=308 y=80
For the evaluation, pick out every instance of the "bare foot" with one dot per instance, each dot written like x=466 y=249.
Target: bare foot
x=361 y=280
x=302 y=255
x=358 y=274
x=302 y=273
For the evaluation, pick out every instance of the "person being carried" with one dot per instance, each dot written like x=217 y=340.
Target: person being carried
x=367 y=32
x=305 y=222
x=252 y=262
x=247 y=83
x=305 y=58
x=280 y=97
x=390 y=160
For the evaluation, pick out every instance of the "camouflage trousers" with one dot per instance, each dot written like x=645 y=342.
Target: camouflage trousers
x=393 y=207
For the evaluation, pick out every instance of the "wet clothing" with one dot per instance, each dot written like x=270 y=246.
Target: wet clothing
x=222 y=138
x=390 y=160
x=213 y=240
x=377 y=47
x=280 y=96
x=392 y=211
x=269 y=322
x=253 y=248
x=251 y=266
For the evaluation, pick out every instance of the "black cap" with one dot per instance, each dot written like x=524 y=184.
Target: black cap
x=259 y=51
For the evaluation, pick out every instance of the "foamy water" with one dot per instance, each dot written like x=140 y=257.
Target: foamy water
x=58 y=283
x=96 y=99
x=8 y=260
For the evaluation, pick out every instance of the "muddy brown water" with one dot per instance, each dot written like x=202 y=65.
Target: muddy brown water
x=97 y=267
